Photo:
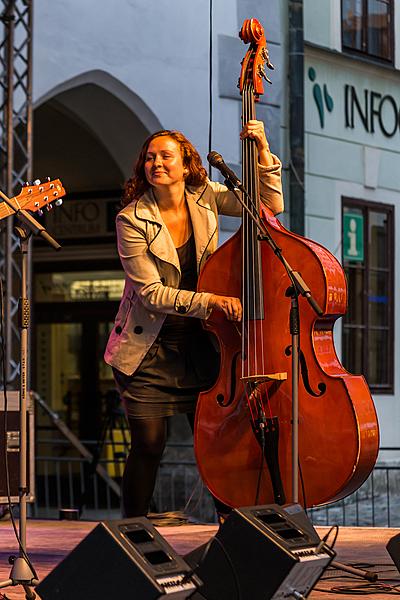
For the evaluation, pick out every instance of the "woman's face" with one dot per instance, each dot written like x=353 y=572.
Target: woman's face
x=163 y=162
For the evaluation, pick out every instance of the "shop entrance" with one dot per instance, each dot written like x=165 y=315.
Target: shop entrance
x=70 y=334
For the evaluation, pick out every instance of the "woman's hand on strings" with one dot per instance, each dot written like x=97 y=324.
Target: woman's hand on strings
x=232 y=307
x=254 y=130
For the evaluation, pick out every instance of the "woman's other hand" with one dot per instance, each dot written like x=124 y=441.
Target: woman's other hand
x=232 y=307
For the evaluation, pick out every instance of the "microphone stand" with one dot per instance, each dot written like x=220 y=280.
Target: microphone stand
x=298 y=286
x=22 y=571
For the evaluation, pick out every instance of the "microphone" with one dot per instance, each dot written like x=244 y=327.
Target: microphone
x=218 y=162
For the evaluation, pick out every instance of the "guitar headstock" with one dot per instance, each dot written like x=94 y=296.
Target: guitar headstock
x=257 y=57
x=35 y=197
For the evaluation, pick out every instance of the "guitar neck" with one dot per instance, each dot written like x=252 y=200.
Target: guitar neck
x=5 y=209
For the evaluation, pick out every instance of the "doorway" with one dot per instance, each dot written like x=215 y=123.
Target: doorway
x=71 y=330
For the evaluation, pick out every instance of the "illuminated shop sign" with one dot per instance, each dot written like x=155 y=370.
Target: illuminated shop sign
x=84 y=218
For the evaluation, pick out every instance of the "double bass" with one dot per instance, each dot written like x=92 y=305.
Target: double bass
x=243 y=425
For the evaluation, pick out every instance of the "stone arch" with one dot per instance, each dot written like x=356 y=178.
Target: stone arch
x=109 y=121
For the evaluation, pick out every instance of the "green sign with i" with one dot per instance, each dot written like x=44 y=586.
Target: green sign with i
x=353 y=237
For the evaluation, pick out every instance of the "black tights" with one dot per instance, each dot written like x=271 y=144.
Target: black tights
x=148 y=437
x=147 y=446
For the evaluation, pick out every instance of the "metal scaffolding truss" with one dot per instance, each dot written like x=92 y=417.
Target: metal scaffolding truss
x=15 y=153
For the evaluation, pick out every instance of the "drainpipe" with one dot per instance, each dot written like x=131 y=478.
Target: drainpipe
x=296 y=116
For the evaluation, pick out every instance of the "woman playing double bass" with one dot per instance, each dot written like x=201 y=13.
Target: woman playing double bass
x=161 y=356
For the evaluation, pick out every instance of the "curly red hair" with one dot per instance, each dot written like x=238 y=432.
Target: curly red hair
x=196 y=176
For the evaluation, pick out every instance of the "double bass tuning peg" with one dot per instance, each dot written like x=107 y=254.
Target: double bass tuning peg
x=262 y=73
x=265 y=55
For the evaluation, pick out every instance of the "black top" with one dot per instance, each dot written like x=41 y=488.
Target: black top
x=177 y=328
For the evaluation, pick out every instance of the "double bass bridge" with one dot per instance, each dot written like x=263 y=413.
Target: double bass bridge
x=263 y=378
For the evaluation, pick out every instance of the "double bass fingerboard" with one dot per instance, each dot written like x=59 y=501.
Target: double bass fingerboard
x=252 y=296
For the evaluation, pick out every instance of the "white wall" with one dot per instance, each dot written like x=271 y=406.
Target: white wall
x=322 y=23
x=158 y=50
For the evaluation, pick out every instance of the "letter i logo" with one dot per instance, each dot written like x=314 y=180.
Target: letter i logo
x=352 y=235
x=321 y=98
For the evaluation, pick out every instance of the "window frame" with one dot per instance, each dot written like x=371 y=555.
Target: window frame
x=364 y=35
x=368 y=206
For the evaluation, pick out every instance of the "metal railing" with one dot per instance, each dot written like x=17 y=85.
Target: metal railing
x=375 y=504
x=67 y=481
x=71 y=482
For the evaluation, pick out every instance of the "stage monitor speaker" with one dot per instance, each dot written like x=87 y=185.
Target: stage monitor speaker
x=262 y=552
x=121 y=559
x=393 y=547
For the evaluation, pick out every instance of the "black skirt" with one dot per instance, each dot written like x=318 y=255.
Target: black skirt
x=170 y=377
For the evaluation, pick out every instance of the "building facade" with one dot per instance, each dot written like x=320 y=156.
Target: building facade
x=352 y=160
x=105 y=79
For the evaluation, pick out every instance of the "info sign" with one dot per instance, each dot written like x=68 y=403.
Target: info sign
x=353 y=237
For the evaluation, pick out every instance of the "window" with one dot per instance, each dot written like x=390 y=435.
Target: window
x=368 y=248
x=367 y=28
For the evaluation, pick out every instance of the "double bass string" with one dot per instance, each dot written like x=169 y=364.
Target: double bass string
x=254 y=306
x=259 y=357
x=248 y=273
x=244 y=253
x=248 y=267
x=253 y=267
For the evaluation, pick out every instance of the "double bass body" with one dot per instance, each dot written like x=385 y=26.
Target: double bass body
x=338 y=432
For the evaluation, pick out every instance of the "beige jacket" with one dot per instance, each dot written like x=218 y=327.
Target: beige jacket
x=151 y=264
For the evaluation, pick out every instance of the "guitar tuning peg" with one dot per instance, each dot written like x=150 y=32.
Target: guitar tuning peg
x=58 y=202
x=37 y=182
x=27 y=184
x=48 y=179
x=40 y=212
x=49 y=207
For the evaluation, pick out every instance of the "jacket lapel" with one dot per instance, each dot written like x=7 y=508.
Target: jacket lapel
x=158 y=237
x=203 y=218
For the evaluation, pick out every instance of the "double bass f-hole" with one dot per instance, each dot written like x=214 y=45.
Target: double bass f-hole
x=304 y=375
x=220 y=397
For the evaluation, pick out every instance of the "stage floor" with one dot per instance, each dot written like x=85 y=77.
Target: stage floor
x=49 y=541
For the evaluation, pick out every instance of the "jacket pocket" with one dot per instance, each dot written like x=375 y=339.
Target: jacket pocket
x=123 y=314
